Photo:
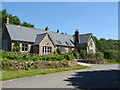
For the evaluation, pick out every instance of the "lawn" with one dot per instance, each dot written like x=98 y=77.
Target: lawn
x=113 y=62
x=12 y=74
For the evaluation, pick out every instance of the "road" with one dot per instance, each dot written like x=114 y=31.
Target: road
x=98 y=76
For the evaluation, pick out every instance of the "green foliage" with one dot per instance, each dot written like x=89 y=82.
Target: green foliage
x=69 y=56
x=16 y=47
x=99 y=56
x=83 y=54
x=27 y=25
x=76 y=54
x=13 y=20
x=109 y=48
x=112 y=56
x=58 y=50
x=12 y=74
x=102 y=44
x=9 y=56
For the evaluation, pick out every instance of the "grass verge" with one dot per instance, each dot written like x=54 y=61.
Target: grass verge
x=113 y=63
x=11 y=74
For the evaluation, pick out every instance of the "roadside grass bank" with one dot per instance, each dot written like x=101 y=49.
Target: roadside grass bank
x=13 y=74
x=113 y=63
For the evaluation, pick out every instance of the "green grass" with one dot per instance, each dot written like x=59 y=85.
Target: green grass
x=113 y=63
x=12 y=74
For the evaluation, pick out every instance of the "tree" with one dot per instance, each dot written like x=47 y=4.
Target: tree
x=13 y=20
x=27 y=24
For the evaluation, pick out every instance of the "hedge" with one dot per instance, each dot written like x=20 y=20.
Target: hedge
x=112 y=56
x=27 y=57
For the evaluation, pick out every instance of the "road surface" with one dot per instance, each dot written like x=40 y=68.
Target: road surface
x=98 y=76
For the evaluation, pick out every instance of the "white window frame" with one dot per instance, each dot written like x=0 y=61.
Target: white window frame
x=47 y=49
x=24 y=47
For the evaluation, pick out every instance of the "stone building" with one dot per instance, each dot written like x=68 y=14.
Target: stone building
x=44 y=41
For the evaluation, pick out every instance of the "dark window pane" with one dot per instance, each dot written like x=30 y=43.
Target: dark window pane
x=26 y=45
x=26 y=49
x=22 y=48
x=22 y=44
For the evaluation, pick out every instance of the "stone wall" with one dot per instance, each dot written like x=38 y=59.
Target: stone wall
x=15 y=65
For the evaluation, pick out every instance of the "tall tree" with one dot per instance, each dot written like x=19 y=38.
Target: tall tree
x=13 y=20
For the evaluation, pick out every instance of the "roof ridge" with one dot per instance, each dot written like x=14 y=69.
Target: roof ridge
x=60 y=33
x=86 y=34
x=43 y=33
x=38 y=29
x=26 y=27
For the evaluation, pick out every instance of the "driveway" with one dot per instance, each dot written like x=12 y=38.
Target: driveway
x=98 y=76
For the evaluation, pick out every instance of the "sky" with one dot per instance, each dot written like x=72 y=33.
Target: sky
x=98 y=18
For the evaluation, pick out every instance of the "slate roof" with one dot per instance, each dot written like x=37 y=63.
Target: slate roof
x=85 y=37
x=21 y=33
x=39 y=38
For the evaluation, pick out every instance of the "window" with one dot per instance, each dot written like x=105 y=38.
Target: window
x=67 y=43
x=24 y=47
x=91 y=45
x=47 y=49
x=91 y=51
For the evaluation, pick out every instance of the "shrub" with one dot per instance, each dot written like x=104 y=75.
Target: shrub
x=16 y=47
x=112 y=56
x=58 y=50
x=35 y=58
x=99 y=56
x=76 y=54
x=83 y=54
x=69 y=56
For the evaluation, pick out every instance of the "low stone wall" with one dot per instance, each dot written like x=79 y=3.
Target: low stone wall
x=15 y=65
x=94 y=61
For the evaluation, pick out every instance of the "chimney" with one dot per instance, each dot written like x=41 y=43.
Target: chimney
x=46 y=29
x=77 y=37
x=57 y=30
x=7 y=20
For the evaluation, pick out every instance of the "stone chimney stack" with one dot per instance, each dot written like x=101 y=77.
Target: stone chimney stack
x=77 y=37
x=7 y=20
x=57 y=30
x=47 y=29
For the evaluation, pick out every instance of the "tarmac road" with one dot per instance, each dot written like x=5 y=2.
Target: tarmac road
x=98 y=76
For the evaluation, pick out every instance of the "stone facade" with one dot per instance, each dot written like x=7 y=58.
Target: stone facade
x=91 y=48
x=45 y=42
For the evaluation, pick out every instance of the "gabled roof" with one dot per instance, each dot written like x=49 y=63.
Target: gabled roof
x=61 y=39
x=21 y=33
x=39 y=38
x=85 y=37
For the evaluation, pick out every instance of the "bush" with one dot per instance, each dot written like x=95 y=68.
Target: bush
x=58 y=50
x=27 y=57
x=112 y=56
x=35 y=58
x=83 y=54
x=99 y=56
x=69 y=56
x=16 y=47
x=76 y=54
